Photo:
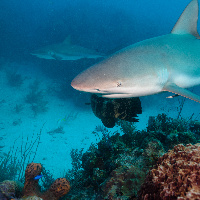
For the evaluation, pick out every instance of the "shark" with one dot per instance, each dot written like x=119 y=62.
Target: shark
x=66 y=51
x=167 y=63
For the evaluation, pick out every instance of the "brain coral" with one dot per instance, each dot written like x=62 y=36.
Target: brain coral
x=176 y=176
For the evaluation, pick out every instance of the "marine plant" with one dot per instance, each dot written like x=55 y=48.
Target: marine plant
x=171 y=132
x=12 y=165
x=14 y=79
x=35 y=98
x=46 y=180
x=18 y=108
x=9 y=167
x=111 y=111
x=115 y=167
x=30 y=145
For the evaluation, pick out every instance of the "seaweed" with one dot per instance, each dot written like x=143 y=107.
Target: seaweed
x=36 y=99
x=9 y=167
x=12 y=165
x=18 y=108
x=116 y=165
x=76 y=175
x=46 y=180
x=14 y=79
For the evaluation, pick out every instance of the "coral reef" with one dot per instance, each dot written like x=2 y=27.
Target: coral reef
x=176 y=175
x=110 y=110
x=171 y=132
x=32 y=198
x=10 y=189
x=123 y=182
x=58 y=189
x=31 y=189
x=116 y=166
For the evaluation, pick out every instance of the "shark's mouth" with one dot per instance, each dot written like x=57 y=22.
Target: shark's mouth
x=111 y=93
x=118 y=95
x=107 y=92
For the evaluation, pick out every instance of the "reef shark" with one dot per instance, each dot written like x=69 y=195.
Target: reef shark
x=66 y=51
x=166 y=63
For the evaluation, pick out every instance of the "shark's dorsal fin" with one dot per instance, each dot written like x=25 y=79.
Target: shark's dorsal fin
x=187 y=23
x=171 y=87
x=67 y=40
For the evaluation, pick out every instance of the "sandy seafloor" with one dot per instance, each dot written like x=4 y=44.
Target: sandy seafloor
x=54 y=149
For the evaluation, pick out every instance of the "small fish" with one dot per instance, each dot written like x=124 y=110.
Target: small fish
x=38 y=177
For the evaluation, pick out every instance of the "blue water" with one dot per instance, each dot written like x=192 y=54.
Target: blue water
x=107 y=25
x=101 y=25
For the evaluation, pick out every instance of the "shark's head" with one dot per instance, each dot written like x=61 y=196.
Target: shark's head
x=44 y=53
x=98 y=80
x=109 y=79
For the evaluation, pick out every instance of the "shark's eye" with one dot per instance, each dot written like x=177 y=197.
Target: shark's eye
x=119 y=84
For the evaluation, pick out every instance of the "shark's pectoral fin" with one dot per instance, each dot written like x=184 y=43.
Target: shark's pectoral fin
x=171 y=87
x=56 y=57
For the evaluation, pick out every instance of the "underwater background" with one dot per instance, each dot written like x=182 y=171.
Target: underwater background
x=44 y=120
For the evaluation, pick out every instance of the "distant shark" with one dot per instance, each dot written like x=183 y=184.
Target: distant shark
x=66 y=51
x=166 y=63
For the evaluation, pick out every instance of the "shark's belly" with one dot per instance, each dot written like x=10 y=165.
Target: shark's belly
x=185 y=80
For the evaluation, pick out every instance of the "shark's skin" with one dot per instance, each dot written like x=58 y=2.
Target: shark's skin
x=65 y=51
x=166 y=63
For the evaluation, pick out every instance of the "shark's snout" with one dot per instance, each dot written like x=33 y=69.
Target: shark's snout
x=80 y=84
x=76 y=84
x=89 y=81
